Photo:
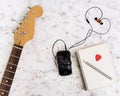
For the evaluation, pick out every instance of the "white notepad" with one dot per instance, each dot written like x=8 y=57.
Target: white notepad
x=96 y=66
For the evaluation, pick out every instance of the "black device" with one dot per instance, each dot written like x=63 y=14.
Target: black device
x=64 y=62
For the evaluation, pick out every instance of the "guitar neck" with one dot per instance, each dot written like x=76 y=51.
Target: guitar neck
x=10 y=70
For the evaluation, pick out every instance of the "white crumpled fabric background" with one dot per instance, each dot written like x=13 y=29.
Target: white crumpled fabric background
x=37 y=74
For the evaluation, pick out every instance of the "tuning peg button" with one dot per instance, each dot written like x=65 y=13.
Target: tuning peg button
x=29 y=7
x=13 y=32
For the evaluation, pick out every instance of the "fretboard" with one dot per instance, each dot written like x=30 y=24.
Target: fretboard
x=10 y=70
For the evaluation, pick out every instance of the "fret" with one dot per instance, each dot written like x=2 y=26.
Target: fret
x=15 y=56
x=5 y=84
x=12 y=64
x=11 y=67
x=13 y=60
x=10 y=71
x=3 y=92
x=7 y=78
x=6 y=81
x=17 y=47
x=9 y=74
x=4 y=87
x=16 y=52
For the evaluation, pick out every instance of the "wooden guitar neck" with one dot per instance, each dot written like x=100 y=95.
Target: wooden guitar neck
x=10 y=70
x=22 y=35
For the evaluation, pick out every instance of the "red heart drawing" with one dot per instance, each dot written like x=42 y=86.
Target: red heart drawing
x=98 y=57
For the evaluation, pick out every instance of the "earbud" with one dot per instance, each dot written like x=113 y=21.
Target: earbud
x=99 y=21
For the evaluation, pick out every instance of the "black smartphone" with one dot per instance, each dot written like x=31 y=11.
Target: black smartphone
x=64 y=62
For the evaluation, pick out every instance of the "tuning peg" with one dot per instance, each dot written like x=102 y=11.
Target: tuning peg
x=29 y=7
x=17 y=28
x=13 y=32
x=14 y=20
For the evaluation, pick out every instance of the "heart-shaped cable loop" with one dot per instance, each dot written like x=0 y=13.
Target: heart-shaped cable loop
x=99 y=20
x=92 y=30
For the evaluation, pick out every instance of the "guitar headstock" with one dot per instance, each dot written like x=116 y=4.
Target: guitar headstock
x=25 y=31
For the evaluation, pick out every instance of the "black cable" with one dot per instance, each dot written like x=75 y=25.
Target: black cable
x=55 y=43
x=89 y=33
x=91 y=30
